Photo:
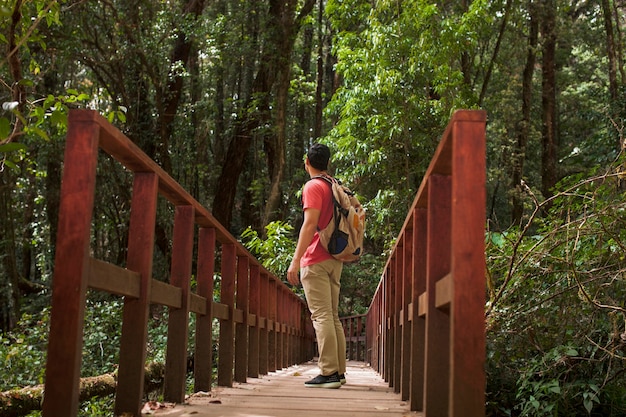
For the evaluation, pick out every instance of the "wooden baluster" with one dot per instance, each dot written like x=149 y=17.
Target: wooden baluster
x=203 y=356
x=418 y=320
x=272 y=355
x=129 y=392
x=468 y=240
x=437 y=321
x=264 y=313
x=227 y=326
x=254 y=333
x=178 y=321
x=407 y=281
x=241 y=327
x=70 y=272
x=397 y=313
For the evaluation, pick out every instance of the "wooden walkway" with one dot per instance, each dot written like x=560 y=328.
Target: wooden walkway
x=283 y=394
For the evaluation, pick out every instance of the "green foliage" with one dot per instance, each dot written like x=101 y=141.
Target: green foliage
x=556 y=322
x=276 y=251
x=401 y=82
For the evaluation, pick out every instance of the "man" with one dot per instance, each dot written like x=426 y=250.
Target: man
x=320 y=273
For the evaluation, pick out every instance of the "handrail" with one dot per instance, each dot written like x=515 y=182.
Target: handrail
x=425 y=330
x=264 y=326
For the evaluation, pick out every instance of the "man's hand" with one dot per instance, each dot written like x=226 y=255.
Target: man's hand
x=293 y=272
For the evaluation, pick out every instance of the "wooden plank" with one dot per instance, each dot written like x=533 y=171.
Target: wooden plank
x=437 y=323
x=467 y=373
x=113 y=279
x=241 y=326
x=283 y=394
x=70 y=271
x=227 y=326
x=166 y=294
x=407 y=284
x=418 y=310
x=398 y=278
x=197 y=304
x=253 y=322
x=271 y=296
x=203 y=362
x=178 y=319
x=221 y=311
x=443 y=293
x=136 y=308
x=263 y=324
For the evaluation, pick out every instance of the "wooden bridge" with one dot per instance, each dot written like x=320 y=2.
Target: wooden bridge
x=423 y=335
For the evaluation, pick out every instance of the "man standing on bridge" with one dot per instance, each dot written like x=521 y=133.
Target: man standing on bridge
x=320 y=273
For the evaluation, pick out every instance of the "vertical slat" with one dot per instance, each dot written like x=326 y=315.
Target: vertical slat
x=390 y=297
x=203 y=356
x=241 y=329
x=271 y=358
x=468 y=270
x=418 y=324
x=264 y=312
x=129 y=392
x=178 y=321
x=70 y=271
x=407 y=283
x=254 y=332
x=280 y=314
x=397 y=312
x=227 y=326
x=437 y=322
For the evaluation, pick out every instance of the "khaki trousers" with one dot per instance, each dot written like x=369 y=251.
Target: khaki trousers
x=321 y=283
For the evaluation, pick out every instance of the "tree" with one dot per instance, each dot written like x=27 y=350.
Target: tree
x=273 y=72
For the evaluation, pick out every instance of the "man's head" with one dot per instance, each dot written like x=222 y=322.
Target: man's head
x=318 y=156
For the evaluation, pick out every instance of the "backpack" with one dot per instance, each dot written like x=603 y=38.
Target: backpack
x=343 y=237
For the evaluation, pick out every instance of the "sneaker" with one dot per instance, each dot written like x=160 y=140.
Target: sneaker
x=321 y=381
x=342 y=378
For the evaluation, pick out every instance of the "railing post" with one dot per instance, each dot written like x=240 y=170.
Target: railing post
x=227 y=326
x=271 y=365
x=241 y=329
x=178 y=320
x=263 y=337
x=467 y=375
x=437 y=322
x=70 y=271
x=203 y=356
x=254 y=332
x=129 y=391
x=407 y=284
x=418 y=321
x=397 y=307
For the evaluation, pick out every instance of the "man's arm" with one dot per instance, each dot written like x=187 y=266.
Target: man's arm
x=309 y=227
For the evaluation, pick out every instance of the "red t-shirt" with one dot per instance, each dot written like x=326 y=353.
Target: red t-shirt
x=317 y=194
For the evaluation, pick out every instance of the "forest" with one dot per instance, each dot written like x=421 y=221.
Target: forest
x=227 y=95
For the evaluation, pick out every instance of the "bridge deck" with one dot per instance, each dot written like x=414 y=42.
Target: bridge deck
x=283 y=394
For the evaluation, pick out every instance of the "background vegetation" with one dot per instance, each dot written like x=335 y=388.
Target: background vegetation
x=228 y=95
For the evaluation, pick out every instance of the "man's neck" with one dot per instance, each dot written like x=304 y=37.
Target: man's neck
x=315 y=172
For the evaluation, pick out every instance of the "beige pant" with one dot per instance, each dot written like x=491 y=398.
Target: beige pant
x=321 y=283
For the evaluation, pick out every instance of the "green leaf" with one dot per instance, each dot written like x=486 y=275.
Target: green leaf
x=13 y=146
x=5 y=127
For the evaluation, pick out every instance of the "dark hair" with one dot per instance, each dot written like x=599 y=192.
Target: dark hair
x=319 y=155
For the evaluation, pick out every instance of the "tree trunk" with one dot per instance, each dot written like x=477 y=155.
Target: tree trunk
x=22 y=401
x=610 y=48
x=548 y=99
x=256 y=112
x=170 y=95
x=523 y=128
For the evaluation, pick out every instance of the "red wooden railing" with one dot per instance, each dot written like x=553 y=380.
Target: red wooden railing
x=425 y=330
x=263 y=325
